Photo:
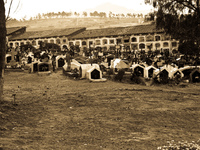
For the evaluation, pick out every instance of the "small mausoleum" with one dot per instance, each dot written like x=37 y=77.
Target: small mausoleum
x=34 y=67
x=138 y=70
x=174 y=73
x=8 y=58
x=143 y=64
x=118 y=64
x=60 y=61
x=73 y=65
x=195 y=76
x=187 y=70
x=149 y=71
x=85 y=67
x=94 y=74
x=164 y=73
x=169 y=69
x=44 y=67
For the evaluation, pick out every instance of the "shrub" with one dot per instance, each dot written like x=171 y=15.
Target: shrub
x=120 y=75
x=75 y=73
x=137 y=79
x=181 y=145
x=110 y=72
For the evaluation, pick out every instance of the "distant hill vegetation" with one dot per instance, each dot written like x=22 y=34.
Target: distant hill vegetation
x=105 y=15
x=88 y=22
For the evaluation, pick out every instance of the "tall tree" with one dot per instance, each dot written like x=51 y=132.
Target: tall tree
x=180 y=19
x=2 y=45
x=85 y=14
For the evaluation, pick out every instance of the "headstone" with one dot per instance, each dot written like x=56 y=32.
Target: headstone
x=8 y=59
x=43 y=67
x=61 y=62
x=35 y=67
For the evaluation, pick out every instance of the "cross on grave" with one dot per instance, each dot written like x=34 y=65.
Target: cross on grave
x=13 y=53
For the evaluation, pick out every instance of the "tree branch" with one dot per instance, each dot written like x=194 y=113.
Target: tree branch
x=17 y=6
x=9 y=10
x=187 y=4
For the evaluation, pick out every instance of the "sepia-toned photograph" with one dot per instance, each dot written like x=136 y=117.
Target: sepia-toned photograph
x=100 y=75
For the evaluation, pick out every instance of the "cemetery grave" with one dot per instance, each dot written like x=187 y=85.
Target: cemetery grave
x=59 y=112
x=60 y=61
x=40 y=111
x=143 y=66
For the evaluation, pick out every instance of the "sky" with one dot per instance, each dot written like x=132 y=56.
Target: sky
x=31 y=8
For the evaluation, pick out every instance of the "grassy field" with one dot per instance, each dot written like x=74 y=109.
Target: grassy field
x=45 y=24
x=55 y=112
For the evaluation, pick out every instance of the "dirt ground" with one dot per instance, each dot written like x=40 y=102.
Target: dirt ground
x=55 y=112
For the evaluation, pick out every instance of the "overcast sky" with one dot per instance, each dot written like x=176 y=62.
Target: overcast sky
x=33 y=7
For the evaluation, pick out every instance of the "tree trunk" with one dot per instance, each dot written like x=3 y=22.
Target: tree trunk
x=2 y=46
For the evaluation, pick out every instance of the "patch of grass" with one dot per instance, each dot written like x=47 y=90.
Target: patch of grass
x=55 y=112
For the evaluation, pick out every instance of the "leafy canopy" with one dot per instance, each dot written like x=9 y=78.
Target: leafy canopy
x=180 y=19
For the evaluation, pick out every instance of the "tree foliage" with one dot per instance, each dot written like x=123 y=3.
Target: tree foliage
x=180 y=19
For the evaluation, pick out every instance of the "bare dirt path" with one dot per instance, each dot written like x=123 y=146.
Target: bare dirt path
x=55 y=112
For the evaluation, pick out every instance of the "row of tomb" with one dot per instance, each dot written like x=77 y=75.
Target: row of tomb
x=94 y=72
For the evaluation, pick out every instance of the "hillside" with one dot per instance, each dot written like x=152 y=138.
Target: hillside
x=46 y=24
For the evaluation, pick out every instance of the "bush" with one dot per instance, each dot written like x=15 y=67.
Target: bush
x=183 y=145
x=110 y=72
x=137 y=79
x=120 y=75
